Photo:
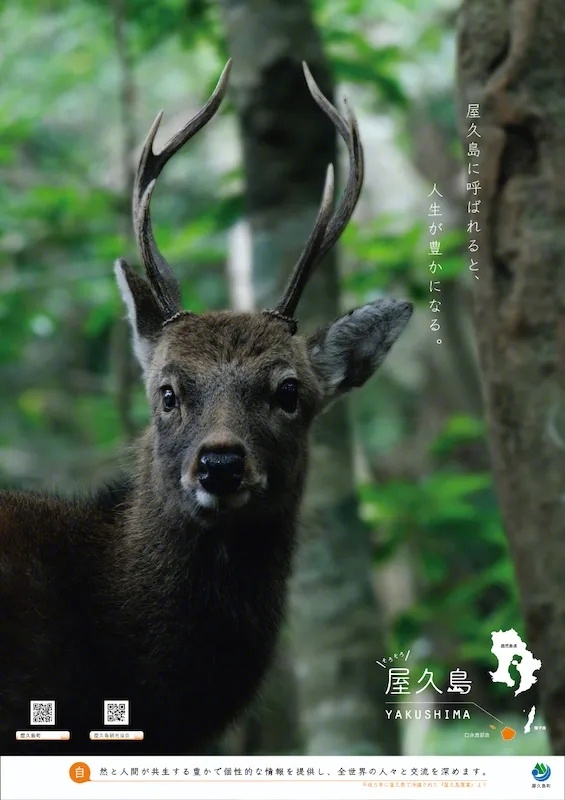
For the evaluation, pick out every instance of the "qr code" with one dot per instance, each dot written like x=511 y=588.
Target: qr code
x=42 y=712
x=116 y=712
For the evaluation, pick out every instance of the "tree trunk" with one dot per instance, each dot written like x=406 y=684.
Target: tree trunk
x=271 y=725
x=287 y=144
x=511 y=63
x=124 y=368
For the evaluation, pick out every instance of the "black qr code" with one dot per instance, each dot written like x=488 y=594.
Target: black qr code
x=116 y=712
x=42 y=712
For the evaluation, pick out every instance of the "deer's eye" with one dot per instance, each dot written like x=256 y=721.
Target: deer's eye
x=169 y=398
x=286 y=396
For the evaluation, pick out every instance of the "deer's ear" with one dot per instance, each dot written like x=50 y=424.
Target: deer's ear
x=145 y=316
x=348 y=351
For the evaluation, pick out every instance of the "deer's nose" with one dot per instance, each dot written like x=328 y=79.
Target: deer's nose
x=220 y=472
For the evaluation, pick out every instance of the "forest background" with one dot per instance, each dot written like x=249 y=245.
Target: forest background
x=404 y=546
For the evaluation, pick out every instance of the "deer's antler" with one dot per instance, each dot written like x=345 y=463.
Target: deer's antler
x=326 y=230
x=163 y=282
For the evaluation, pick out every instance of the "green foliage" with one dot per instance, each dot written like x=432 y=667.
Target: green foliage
x=449 y=525
x=64 y=218
x=351 y=32
x=64 y=214
x=355 y=61
x=386 y=255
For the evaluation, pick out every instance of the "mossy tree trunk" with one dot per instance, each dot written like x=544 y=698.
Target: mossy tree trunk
x=511 y=64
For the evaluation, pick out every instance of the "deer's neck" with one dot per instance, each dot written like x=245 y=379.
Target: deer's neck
x=196 y=604
x=165 y=551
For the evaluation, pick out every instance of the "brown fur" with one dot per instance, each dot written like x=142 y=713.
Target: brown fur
x=168 y=589
x=138 y=593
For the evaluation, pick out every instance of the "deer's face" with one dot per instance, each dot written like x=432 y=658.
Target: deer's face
x=233 y=394
x=232 y=397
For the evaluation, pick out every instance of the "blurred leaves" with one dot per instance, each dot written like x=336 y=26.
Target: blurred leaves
x=63 y=217
x=356 y=61
x=450 y=524
x=62 y=210
x=385 y=254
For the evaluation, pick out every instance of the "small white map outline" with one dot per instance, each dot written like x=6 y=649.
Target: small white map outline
x=505 y=646
x=531 y=715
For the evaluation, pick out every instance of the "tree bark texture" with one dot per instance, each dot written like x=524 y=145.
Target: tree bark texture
x=511 y=63
x=287 y=144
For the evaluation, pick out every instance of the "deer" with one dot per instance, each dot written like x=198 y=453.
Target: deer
x=167 y=586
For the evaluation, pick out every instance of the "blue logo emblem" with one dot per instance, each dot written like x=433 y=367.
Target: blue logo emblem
x=541 y=772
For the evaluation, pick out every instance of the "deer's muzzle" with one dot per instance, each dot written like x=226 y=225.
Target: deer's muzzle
x=220 y=472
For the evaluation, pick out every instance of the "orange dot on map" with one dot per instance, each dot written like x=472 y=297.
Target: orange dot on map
x=80 y=772
x=508 y=733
